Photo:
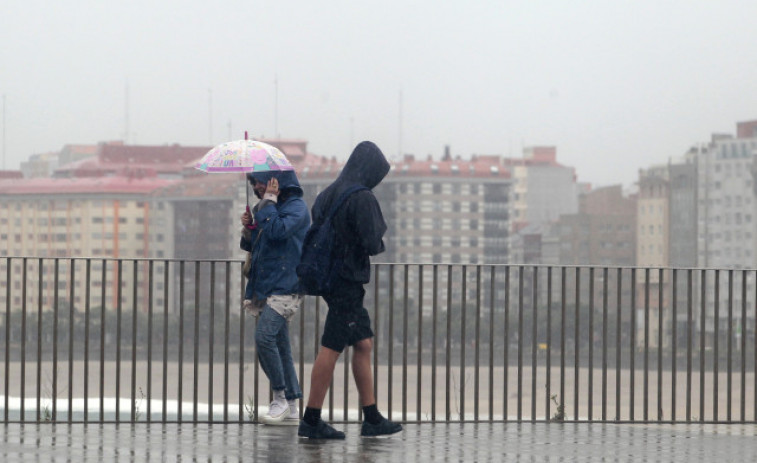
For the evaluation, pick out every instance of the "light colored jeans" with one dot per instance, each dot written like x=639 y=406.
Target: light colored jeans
x=275 y=352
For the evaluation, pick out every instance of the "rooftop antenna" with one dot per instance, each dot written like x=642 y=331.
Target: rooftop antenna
x=126 y=113
x=3 y=131
x=210 y=116
x=399 y=147
x=276 y=106
x=352 y=132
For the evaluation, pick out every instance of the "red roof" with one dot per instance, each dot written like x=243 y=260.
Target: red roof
x=90 y=185
x=478 y=166
x=5 y=174
x=121 y=158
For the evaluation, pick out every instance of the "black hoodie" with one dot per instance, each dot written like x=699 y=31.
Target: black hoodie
x=359 y=224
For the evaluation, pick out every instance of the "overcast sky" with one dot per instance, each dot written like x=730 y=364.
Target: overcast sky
x=614 y=85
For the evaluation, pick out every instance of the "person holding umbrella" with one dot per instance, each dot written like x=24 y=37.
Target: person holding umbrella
x=273 y=233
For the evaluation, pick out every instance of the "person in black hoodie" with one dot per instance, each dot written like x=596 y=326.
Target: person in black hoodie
x=359 y=227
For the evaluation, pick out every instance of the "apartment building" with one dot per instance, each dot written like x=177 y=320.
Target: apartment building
x=603 y=232
x=100 y=218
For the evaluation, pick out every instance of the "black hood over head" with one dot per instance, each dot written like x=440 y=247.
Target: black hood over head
x=366 y=166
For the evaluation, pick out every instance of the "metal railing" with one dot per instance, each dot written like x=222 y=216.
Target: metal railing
x=125 y=340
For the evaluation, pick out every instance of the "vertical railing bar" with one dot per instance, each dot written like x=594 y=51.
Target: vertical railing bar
x=660 y=288
x=226 y=332
x=180 y=385
x=40 y=265
x=317 y=324
x=211 y=339
x=256 y=376
x=463 y=310
x=23 y=339
x=376 y=335
x=240 y=366
x=390 y=343
x=646 y=343
x=674 y=350
x=742 y=405
x=548 y=380
x=134 y=344
x=345 y=384
x=164 y=394
x=633 y=345
x=477 y=337
x=119 y=281
x=563 y=313
x=534 y=341
x=520 y=343
x=689 y=340
x=506 y=350
x=420 y=345
x=87 y=294
x=729 y=347
x=754 y=354
x=196 y=344
x=434 y=315
x=576 y=337
x=447 y=390
x=590 y=395
x=103 y=281
x=605 y=283
x=618 y=345
x=71 y=283
x=150 y=276
x=702 y=319
x=492 y=298
x=405 y=297
x=301 y=349
x=55 y=341
x=6 y=379
x=716 y=349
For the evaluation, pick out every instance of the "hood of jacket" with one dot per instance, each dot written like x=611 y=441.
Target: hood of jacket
x=287 y=180
x=366 y=166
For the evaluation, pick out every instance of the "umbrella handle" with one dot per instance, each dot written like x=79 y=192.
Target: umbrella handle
x=251 y=226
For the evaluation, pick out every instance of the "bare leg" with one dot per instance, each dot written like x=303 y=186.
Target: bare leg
x=320 y=377
x=361 y=370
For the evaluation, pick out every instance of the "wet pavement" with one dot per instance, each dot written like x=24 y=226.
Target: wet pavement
x=455 y=442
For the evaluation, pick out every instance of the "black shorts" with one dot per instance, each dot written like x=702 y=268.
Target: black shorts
x=347 y=321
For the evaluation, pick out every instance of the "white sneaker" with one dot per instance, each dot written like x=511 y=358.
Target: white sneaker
x=277 y=412
x=293 y=418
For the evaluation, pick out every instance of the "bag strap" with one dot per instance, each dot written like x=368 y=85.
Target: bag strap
x=345 y=194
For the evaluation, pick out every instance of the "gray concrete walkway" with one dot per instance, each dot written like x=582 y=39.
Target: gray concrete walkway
x=419 y=442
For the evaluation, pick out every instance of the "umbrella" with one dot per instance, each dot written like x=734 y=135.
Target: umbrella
x=243 y=156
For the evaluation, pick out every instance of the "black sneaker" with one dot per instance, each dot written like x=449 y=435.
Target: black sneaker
x=382 y=428
x=322 y=430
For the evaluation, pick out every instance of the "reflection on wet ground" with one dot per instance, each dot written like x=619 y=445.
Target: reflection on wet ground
x=418 y=442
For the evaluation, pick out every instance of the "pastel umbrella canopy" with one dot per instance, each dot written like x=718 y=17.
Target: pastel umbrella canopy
x=243 y=156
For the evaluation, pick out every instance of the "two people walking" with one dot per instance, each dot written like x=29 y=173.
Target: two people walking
x=273 y=291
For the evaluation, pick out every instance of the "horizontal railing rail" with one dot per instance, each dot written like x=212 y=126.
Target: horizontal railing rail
x=165 y=340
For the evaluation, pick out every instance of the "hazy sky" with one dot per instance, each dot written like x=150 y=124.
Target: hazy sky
x=615 y=85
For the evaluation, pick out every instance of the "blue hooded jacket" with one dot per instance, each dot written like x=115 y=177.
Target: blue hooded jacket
x=281 y=227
